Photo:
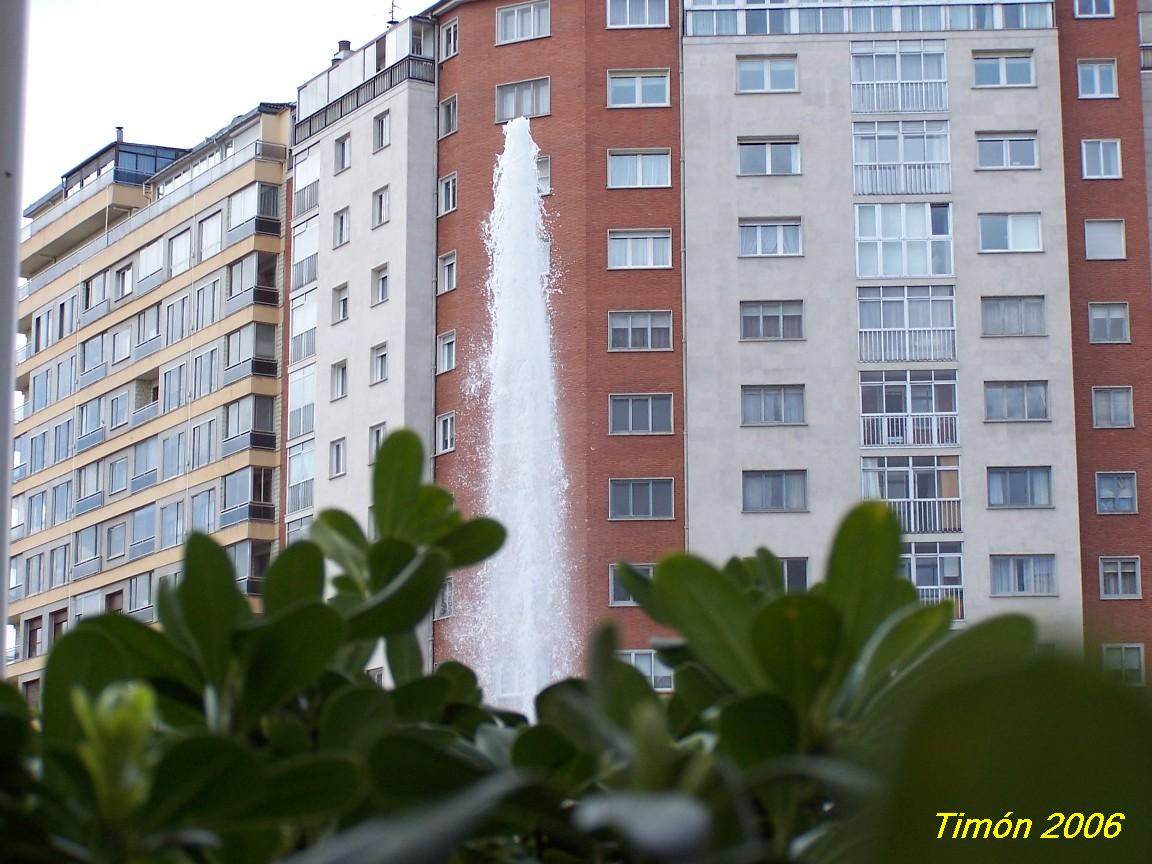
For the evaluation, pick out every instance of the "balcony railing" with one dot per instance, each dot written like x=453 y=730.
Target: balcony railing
x=14 y=653
x=909 y=178
x=928 y=515
x=942 y=593
x=300 y=496
x=303 y=345
x=919 y=344
x=304 y=271
x=908 y=430
x=306 y=198
x=24 y=351
x=899 y=97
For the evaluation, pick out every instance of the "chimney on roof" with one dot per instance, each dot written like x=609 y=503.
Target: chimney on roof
x=119 y=134
x=343 y=52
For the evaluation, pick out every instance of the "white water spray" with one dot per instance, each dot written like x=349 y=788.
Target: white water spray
x=522 y=633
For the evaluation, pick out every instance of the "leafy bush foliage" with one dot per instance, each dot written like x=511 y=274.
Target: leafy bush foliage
x=825 y=727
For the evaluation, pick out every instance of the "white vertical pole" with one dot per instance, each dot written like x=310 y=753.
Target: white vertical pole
x=13 y=25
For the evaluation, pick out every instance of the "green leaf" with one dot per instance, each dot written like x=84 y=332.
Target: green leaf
x=640 y=587
x=396 y=480
x=84 y=658
x=662 y=825
x=430 y=516
x=283 y=654
x=200 y=781
x=714 y=616
x=465 y=689
x=308 y=787
x=152 y=654
x=618 y=688
x=295 y=576
x=697 y=691
x=796 y=639
x=422 y=700
x=354 y=718
x=756 y=729
x=211 y=604
x=767 y=571
x=405 y=658
x=405 y=602
x=409 y=768
x=387 y=560
x=473 y=541
x=339 y=537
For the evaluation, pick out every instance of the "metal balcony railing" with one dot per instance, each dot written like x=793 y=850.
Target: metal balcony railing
x=908 y=430
x=908 y=178
x=306 y=198
x=928 y=515
x=923 y=344
x=304 y=271
x=300 y=496
x=941 y=594
x=303 y=345
x=897 y=97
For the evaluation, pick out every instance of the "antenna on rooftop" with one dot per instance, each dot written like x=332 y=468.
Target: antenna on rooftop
x=392 y=15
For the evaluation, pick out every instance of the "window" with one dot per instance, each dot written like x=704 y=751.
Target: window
x=176 y=320
x=618 y=595
x=637 y=13
x=769 y=157
x=544 y=175
x=124 y=281
x=34 y=635
x=910 y=75
x=649 y=414
x=1125 y=663
x=171 y=524
x=172 y=456
x=903 y=240
x=341 y=227
x=343 y=153
x=1100 y=158
x=95 y=291
x=771 y=238
x=204 y=511
x=144 y=524
x=1120 y=578
x=204 y=373
x=210 y=236
x=639 y=331
x=144 y=457
x=174 y=388
x=771 y=405
x=795 y=575
x=180 y=252
x=40 y=387
x=297 y=529
x=65 y=377
x=151 y=258
x=301 y=473
x=446 y=433
x=1005 y=152
x=380 y=284
x=1116 y=492
x=338 y=458
x=376 y=436
x=378 y=363
x=87 y=544
x=90 y=416
x=117 y=539
x=61 y=502
x=449 y=39
x=638 y=89
x=252 y=413
x=523 y=99
x=639 y=169
x=381 y=131
x=339 y=380
x=649 y=664
x=1023 y=574
x=446 y=199
x=339 y=304
x=766 y=75
x=1108 y=322
x=522 y=21
x=256 y=199
x=117 y=475
x=640 y=499
x=767 y=491
x=772 y=320
x=639 y=249
x=247 y=486
x=203 y=443
x=204 y=310
x=58 y=566
x=140 y=592
x=380 y=207
x=87 y=480
x=446 y=352
x=1010 y=70
x=91 y=353
x=1020 y=487
x=1097 y=79
x=446 y=278
x=301 y=401
x=1010 y=232
x=1112 y=407
x=257 y=269
x=449 y=117
x=118 y=410
x=1094 y=9
x=148 y=324
x=1012 y=316
x=923 y=491
x=1104 y=239
x=1015 y=400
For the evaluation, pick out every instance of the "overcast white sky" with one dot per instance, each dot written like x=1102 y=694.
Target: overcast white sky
x=170 y=73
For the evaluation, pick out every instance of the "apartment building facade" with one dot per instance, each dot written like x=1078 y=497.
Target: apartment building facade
x=150 y=375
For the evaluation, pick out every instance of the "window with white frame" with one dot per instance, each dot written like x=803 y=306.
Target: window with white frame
x=446 y=352
x=209 y=235
x=125 y=282
x=117 y=475
x=775 y=491
x=893 y=157
x=1023 y=575
x=774 y=238
x=795 y=575
x=773 y=320
x=339 y=380
x=301 y=476
x=448 y=117
x=376 y=436
x=1112 y=407
x=522 y=21
x=639 y=249
x=1124 y=663
x=1100 y=158
x=640 y=499
x=523 y=99
x=204 y=368
x=1004 y=151
x=446 y=199
x=937 y=571
x=903 y=240
x=1012 y=316
x=378 y=363
x=618 y=595
x=1104 y=239
x=640 y=331
x=117 y=540
x=769 y=157
x=338 y=457
x=766 y=75
x=121 y=344
x=909 y=75
x=1108 y=322
x=449 y=39
x=771 y=404
x=637 y=13
x=1096 y=79
x=446 y=433
x=1003 y=70
x=544 y=175
x=302 y=401
x=1015 y=400
x=180 y=252
x=649 y=664
x=381 y=131
x=151 y=258
x=171 y=524
x=380 y=202
x=341 y=227
x=343 y=153
x=640 y=414
x=446 y=273
x=1020 y=487
x=640 y=88
x=1116 y=492
x=639 y=169
x=339 y=303
x=380 y=284
x=1010 y=232
x=1120 y=578
x=172 y=456
x=1094 y=9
